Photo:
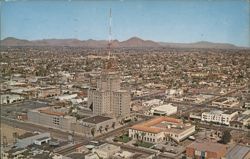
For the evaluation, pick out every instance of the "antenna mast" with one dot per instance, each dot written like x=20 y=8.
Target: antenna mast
x=110 y=34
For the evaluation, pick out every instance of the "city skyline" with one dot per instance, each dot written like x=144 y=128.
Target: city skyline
x=165 y=21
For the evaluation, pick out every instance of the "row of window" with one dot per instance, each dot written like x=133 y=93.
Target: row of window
x=149 y=134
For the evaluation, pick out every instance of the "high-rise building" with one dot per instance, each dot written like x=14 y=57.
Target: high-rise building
x=108 y=98
x=121 y=103
x=108 y=81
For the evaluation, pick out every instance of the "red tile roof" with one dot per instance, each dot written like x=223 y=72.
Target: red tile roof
x=146 y=126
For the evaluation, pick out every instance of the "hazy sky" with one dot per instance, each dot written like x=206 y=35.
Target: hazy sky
x=225 y=21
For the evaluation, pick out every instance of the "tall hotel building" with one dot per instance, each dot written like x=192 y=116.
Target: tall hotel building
x=108 y=98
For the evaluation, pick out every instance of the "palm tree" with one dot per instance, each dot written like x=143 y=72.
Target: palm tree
x=142 y=135
x=100 y=129
x=15 y=135
x=8 y=99
x=93 y=131
x=113 y=125
x=137 y=136
x=107 y=128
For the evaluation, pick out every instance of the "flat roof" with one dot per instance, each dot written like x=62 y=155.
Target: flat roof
x=107 y=147
x=96 y=119
x=26 y=135
x=76 y=155
x=164 y=107
x=43 y=138
x=46 y=111
x=208 y=146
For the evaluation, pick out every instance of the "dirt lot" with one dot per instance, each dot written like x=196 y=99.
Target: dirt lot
x=8 y=131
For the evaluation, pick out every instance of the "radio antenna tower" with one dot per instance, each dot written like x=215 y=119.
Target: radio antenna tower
x=110 y=34
x=110 y=63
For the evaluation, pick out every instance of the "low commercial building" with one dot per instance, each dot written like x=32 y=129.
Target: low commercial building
x=91 y=156
x=218 y=116
x=66 y=97
x=195 y=116
x=226 y=102
x=94 y=126
x=242 y=121
x=10 y=98
x=48 y=92
x=13 y=153
x=30 y=138
x=51 y=117
x=161 y=129
x=173 y=92
x=106 y=151
x=205 y=150
x=167 y=109
x=153 y=102
x=198 y=98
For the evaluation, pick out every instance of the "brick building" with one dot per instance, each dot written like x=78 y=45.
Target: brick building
x=206 y=150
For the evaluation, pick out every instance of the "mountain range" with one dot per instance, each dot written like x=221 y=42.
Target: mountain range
x=133 y=42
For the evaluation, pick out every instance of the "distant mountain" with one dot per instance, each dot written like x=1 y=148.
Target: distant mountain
x=14 y=42
x=137 y=42
x=200 y=44
x=133 y=42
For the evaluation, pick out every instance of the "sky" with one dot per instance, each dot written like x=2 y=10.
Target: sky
x=179 y=21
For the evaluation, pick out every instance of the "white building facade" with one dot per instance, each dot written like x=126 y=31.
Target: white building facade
x=218 y=116
x=161 y=129
x=167 y=109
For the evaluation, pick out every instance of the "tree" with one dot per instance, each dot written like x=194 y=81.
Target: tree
x=142 y=135
x=107 y=128
x=93 y=131
x=226 y=137
x=100 y=129
x=163 y=149
x=137 y=136
x=113 y=125
x=248 y=126
x=15 y=136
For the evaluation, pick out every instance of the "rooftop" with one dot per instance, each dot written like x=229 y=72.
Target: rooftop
x=43 y=138
x=107 y=147
x=164 y=107
x=46 y=111
x=160 y=124
x=76 y=156
x=238 y=151
x=26 y=135
x=208 y=146
x=96 y=119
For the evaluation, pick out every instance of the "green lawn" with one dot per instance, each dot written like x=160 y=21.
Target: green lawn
x=124 y=138
x=143 y=144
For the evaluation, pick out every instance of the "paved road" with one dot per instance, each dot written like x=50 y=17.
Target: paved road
x=219 y=127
